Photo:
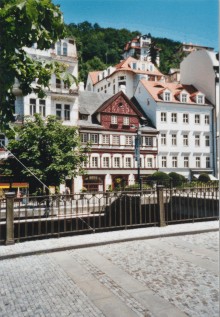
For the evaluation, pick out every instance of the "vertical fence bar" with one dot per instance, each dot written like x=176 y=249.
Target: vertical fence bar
x=9 y=239
x=160 y=202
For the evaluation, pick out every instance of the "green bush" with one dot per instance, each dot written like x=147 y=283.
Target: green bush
x=177 y=179
x=160 y=177
x=204 y=178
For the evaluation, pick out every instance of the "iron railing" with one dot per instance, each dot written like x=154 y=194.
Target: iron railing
x=59 y=215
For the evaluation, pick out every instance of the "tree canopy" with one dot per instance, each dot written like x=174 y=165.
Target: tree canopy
x=23 y=23
x=48 y=149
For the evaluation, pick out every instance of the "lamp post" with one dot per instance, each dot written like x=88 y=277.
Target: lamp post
x=137 y=154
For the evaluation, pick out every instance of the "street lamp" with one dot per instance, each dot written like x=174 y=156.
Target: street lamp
x=137 y=154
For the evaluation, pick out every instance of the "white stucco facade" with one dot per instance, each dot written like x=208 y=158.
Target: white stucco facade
x=201 y=69
x=184 y=146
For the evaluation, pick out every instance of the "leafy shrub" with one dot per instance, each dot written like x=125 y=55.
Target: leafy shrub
x=204 y=178
x=177 y=179
x=160 y=177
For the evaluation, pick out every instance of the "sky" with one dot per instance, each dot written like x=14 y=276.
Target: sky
x=190 y=21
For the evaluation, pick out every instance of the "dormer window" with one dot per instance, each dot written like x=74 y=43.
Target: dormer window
x=167 y=96
x=134 y=65
x=184 y=97
x=200 y=99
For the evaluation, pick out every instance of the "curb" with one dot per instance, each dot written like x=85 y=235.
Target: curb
x=95 y=244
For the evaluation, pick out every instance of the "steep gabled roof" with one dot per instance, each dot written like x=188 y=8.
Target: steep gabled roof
x=113 y=98
x=94 y=76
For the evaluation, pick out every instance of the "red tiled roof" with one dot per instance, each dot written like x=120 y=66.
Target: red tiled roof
x=94 y=76
x=157 y=88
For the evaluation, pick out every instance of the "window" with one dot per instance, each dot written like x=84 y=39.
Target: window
x=197 y=140
x=186 y=161
x=174 y=117
x=148 y=141
x=185 y=118
x=163 y=117
x=167 y=96
x=105 y=139
x=59 y=48
x=184 y=98
x=174 y=139
x=84 y=137
x=42 y=107
x=207 y=120
x=58 y=111
x=128 y=140
x=164 y=161
x=200 y=99
x=65 y=49
x=149 y=162
x=67 y=112
x=106 y=161
x=207 y=141
x=94 y=161
x=32 y=106
x=115 y=140
x=174 y=161
x=197 y=118
x=127 y=162
x=58 y=83
x=197 y=161
x=116 y=161
x=94 y=138
x=208 y=165
x=126 y=121
x=185 y=140
x=163 y=139
x=114 y=120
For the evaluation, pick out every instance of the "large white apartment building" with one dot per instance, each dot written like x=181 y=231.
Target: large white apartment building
x=184 y=118
x=60 y=100
x=123 y=76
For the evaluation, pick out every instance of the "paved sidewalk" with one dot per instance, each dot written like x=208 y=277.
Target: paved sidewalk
x=157 y=272
x=95 y=239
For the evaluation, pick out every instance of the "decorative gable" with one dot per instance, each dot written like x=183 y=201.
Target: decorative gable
x=118 y=113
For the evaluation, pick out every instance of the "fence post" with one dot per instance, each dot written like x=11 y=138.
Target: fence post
x=9 y=218
x=160 y=203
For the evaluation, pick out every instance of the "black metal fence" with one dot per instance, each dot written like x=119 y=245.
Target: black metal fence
x=54 y=216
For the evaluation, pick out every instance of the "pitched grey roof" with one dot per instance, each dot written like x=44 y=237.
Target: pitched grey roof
x=91 y=101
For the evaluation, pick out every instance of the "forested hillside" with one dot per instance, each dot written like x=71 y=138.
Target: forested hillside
x=100 y=47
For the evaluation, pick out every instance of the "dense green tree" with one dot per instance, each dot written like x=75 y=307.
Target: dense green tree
x=23 y=23
x=48 y=149
x=204 y=178
x=177 y=179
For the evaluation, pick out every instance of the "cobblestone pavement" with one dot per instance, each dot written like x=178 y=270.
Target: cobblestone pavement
x=161 y=277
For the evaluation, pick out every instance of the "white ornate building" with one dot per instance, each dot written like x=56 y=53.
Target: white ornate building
x=123 y=76
x=183 y=116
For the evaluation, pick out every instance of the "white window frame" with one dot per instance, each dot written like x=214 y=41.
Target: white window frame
x=164 y=161
x=167 y=96
x=174 y=139
x=184 y=97
x=33 y=106
x=197 y=140
x=198 y=161
x=207 y=140
x=42 y=107
x=207 y=162
x=84 y=137
x=163 y=139
x=186 y=161
x=200 y=99
x=185 y=118
x=106 y=161
x=163 y=117
x=128 y=140
x=197 y=119
x=115 y=140
x=126 y=121
x=94 y=161
x=114 y=119
x=105 y=139
x=174 y=117
x=67 y=112
x=207 y=119
x=128 y=162
x=149 y=162
x=117 y=162
x=94 y=138
x=174 y=161
x=185 y=140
